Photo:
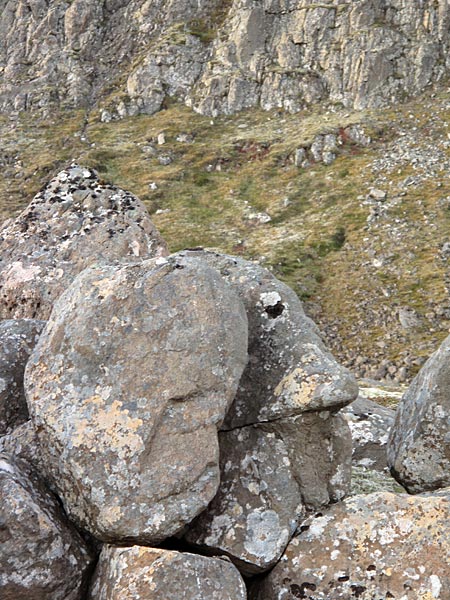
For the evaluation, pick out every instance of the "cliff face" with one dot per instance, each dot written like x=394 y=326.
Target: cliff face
x=218 y=57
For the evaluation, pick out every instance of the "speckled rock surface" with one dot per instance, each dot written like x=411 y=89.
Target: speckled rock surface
x=270 y=475
x=22 y=443
x=419 y=443
x=377 y=546
x=17 y=339
x=154 y=574
x=289 y=370
x=370 y=424
x=75 y=221
x=42 y=557
x=127 y=387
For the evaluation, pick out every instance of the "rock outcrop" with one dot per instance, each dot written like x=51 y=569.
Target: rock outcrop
x=76 y=220
x=153 y=574
x=42 y=556
x=376 y=546
x=289 y=369
x=272 y=475
x=127 y=386
x=219 y=57
x=419 y=442
x=17 y=340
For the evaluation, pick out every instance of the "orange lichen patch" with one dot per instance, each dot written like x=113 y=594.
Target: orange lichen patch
x=108 y=426
x=299 y=387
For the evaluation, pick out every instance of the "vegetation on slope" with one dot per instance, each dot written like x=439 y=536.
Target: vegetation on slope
x=231 y=183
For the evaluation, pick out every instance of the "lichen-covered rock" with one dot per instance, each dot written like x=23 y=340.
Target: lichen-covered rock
x=289 y=369
x=42 y=556
x=153 y=574
x=22 y=444
x=17 y=339
x=270 y=475
x=377 y=546
x=370 y=424
x=75 y=221
x=127 y=386
x=419 y=443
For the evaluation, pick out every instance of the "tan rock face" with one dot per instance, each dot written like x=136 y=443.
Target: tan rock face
x=75 y=221
x=220 y=57
x=127 y=387
x=377 y=546
x=153 y=574
x=271 y=474
x=419 y=442
x=42 y=556
x=289 y=370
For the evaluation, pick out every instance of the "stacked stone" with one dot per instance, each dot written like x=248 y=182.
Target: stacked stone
x=181 y=402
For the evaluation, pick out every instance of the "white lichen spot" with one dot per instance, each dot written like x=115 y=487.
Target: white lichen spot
x=436 y=585
x=265 y=538
x=5 y=466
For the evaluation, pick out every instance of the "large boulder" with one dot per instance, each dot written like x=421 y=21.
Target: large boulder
x=75 y=221
x=22 y=443
x=154 y=574
x=289 y=370
x=17 y=340
x=376 y=546
x=271 y=474
x=42 y=556
x=419 y=443
x=127 y=386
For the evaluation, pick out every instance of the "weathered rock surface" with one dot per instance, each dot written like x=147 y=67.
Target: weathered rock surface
x=153 y=574
x=270 y=475
x=370 y=424
x=127 y=387
x=419 y=443
x=22 y=443
x=289 y=369
x=75 y=221
x=42 y=556
x=377 y=546
x=219 y=57
x=17 y=339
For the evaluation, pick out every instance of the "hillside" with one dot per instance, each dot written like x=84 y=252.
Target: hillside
x=372 y=270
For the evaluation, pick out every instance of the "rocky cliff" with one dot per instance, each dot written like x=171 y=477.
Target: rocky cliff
x=218 y=57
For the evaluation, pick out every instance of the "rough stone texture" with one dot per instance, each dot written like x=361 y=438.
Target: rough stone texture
x=75 y=221
x=419 y=443
x=289 y=369
x=377 y=546
x=42 y=557
x=153 y=574
x=22 y=443
x=127 y=387
x=370 y=424
x=270 y=475
x=219 y=57
x=17 y=339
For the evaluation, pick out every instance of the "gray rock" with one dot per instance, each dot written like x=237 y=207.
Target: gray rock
x=17 y=339
x=370 y=424
x=127 y=387
x=377 y=546
x=154 y=574
x=289 y=370
x=42 y=556
x=271 y=474
x=75 y=221
x=419 y=443
x=23 y=444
